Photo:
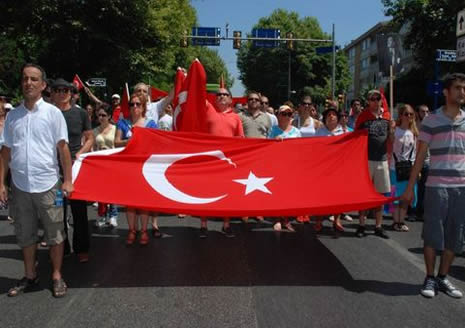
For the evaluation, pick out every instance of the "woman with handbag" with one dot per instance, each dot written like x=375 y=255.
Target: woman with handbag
x=403 y=156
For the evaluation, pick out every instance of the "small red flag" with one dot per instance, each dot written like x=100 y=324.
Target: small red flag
x=77 y=82
x=156 y=93
x=178 y=82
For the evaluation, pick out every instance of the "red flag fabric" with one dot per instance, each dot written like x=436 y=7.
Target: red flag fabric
x=383 y=98
x=156 y=93
x=190 y=114
x=206 y=175
x=77 y=82
x=124 y=104
x=178 y=82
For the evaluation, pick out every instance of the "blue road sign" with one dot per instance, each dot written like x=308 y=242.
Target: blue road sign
x=444 y=55
x=325 y=50
x=266 y=33
x=206 y=31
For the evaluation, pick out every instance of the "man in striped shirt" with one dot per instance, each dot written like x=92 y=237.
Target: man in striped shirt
x=444 y=217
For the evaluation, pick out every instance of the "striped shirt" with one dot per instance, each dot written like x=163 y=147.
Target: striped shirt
x=446 y=140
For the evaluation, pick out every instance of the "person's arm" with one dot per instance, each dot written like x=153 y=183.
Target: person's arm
x=407 y=196
x=165 y=102
x=119 y=142
x=65 y=159
x=92 y=96
x=5 y=160
x=88 y=137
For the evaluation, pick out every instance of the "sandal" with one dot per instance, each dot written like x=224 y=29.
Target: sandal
x=131 y=237
x=59 y=288
x=289 y=227
x=144 y=238
x=156 y=233
x=23 y=286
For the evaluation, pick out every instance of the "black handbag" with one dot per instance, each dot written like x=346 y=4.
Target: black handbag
x=403 y=168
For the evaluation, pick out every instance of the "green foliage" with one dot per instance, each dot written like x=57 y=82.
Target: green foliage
x=431 y=25
x=266 y=70
x=123 y=41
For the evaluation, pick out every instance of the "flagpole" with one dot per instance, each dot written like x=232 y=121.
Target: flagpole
x=391 y=90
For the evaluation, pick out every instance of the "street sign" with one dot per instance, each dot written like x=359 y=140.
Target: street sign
x=444 y=55
x=97 y=82
x=213 y=32
x=325 y=50
x=461 y=23
x=271 y=33
x=461 y=49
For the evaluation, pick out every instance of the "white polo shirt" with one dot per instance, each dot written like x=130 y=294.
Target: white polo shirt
x=32 y=136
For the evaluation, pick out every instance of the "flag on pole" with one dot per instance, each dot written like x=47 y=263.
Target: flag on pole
x=207 y=175
x=77 y=82
x=156 y=93
x=124 y=104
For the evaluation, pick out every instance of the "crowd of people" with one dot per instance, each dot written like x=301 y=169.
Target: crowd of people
x=48 y=131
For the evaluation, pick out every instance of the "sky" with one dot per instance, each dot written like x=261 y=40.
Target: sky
x=351 y=19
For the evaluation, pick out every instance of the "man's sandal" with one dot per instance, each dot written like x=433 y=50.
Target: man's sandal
x=23 y=286
x=59 y=288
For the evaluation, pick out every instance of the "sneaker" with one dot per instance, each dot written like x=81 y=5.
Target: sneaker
x=379 y=231
x=444 y=285
x=228 y=232
x=429 y=287
x=360 y=232
x=113 y=222
x=348 y=218
x=203 y=233
x=100 y=222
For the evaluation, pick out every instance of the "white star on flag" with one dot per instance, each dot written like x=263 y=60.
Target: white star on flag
x=253 y=183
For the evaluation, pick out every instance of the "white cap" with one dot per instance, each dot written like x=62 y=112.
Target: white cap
x=115 y=96
x=8 y=106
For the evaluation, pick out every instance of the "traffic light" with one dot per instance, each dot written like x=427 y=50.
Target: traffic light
x=290 y=43
x=184 y=42
x=237 y=39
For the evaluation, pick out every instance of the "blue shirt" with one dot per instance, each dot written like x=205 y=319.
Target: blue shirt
x=126 y=127
x=277 y=132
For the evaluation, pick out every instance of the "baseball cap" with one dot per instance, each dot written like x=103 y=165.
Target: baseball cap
x=116 y=96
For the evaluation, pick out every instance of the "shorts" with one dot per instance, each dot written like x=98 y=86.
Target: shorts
x=444 y=218
x=379 y=174
x=28 y=209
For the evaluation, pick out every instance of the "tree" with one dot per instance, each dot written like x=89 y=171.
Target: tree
x=430 y=26
x=123 y=41
x=266 y=70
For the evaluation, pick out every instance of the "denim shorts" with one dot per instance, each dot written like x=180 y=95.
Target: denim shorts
x=444 y=218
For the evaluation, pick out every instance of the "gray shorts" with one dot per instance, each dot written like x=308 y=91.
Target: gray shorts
x=27 y=209
x=379 y=174
x=444 y=218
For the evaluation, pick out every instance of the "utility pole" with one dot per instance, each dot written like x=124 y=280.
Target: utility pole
x=333 y=75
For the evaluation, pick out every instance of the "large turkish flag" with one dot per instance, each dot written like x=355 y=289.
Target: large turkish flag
x=205 y=175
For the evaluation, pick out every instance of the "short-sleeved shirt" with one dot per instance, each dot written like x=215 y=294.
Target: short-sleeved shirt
x=226 y=123
x=105 y=140
x=257 y=126
x=126 y=127
x=404 y=146
x=77 y=122
x=276 y=131
x=32 y=136
x=378 y=133
x=446 y=140
x=324 y=132
x=154 y=110
x=165 y=123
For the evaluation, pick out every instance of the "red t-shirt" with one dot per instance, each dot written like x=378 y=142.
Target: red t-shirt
x=116 y=113
x=225 y=124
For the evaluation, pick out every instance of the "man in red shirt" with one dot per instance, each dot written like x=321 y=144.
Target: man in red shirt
x=222 y=121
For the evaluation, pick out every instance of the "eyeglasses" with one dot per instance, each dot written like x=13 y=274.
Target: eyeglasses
x=102 y=115
x=288 y=114
x=60 y=90
x=306 y=103
x=219 y=94
x=134 y=104
x=253 y=99
x=409 y=114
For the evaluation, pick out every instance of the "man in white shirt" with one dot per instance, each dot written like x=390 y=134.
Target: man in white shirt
x=154 y=109
x=34 y=133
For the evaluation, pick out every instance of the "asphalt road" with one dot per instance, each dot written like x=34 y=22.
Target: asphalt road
x=258 y=279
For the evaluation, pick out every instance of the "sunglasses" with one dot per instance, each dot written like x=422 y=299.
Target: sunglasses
x=222 y=94
x=253 y=99
x=60 y=90
x=306 y=103
x=288 y=114
x=102 y=115
x=134 y=104
x=374 y=99
x=409 y=114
